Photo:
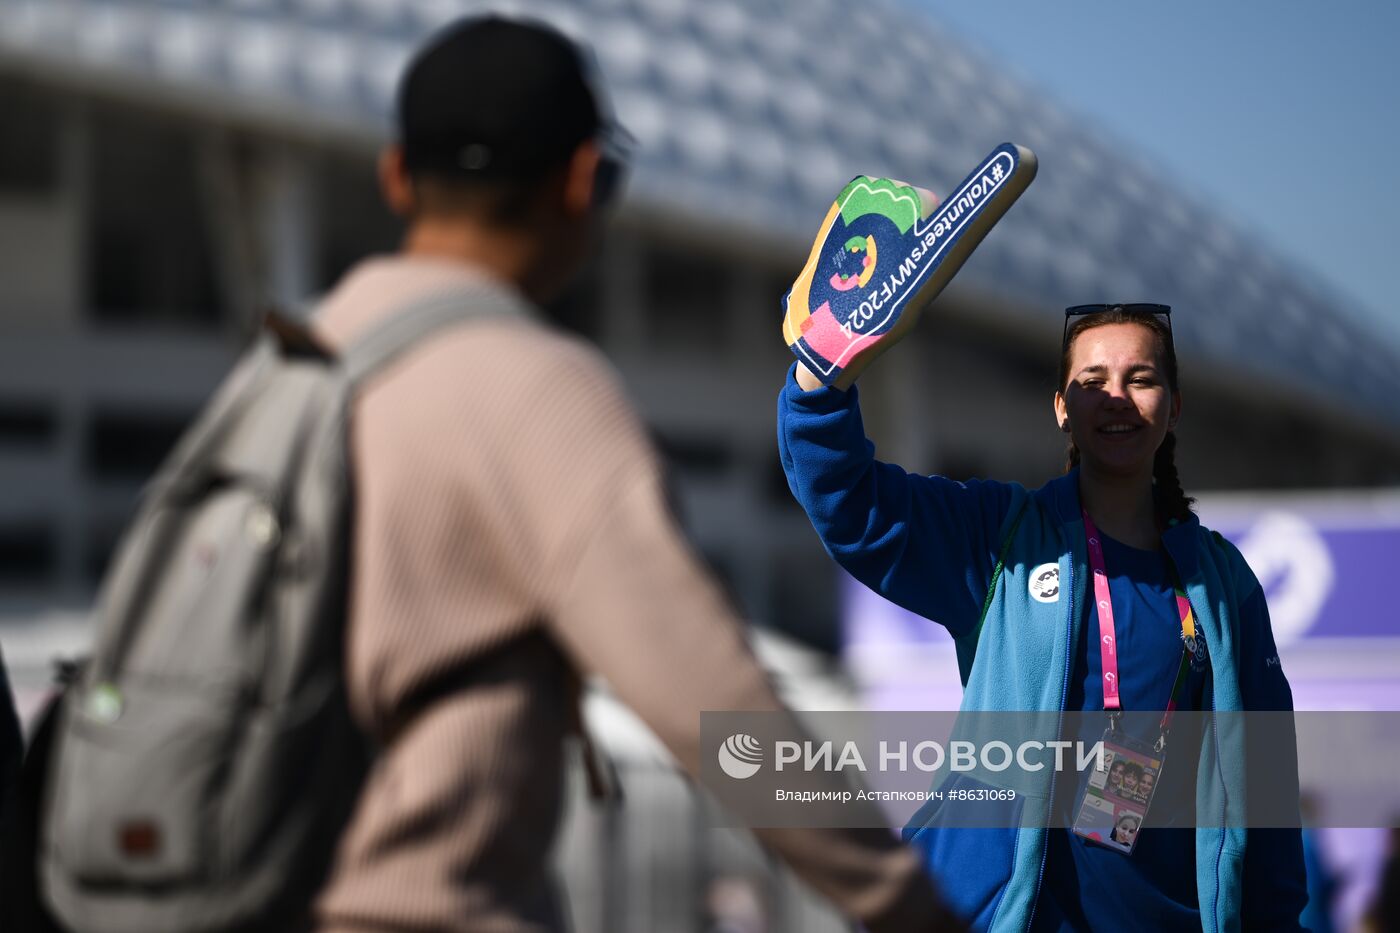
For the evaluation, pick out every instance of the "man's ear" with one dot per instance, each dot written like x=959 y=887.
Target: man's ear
x=394 y=183
x=1061 y=412
x=580 y=176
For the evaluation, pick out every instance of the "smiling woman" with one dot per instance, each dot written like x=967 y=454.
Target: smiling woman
x=1119 y=399
x=1100 y=591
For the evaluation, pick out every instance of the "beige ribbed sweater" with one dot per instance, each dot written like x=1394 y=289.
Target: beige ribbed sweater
x=506 y=497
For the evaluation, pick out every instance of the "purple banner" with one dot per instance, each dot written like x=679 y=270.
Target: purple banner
x=1327 y=563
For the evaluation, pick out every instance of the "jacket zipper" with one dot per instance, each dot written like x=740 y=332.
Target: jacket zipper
x=1215 y=737
x=1220 y=849
x=1064 y=695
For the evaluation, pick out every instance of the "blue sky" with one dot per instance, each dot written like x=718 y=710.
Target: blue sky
x=1285 y=114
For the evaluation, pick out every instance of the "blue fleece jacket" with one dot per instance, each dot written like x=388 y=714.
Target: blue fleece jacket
x=930 y=545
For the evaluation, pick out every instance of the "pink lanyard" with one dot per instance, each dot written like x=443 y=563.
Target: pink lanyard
x=1108 y=640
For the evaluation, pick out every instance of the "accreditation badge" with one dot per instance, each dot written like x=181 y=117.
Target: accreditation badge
x=1115 y=801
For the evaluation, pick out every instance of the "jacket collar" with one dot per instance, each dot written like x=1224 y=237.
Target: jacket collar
x=1061 y=497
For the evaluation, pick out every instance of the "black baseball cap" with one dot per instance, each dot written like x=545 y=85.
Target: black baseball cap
x=491 y=96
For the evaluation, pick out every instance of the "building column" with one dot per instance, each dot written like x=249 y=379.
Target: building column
x=622 y=323
x=73 y=406
x=224 y=181
x=287 y=242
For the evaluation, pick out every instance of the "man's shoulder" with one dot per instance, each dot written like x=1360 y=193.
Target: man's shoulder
x=515 y=379
x=521 y=351
x=509 y=328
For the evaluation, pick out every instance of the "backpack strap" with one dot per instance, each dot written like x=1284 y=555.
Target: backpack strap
x=402 y=330
x=996 y=571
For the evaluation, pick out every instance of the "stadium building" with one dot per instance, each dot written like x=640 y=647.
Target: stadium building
x=169 y=168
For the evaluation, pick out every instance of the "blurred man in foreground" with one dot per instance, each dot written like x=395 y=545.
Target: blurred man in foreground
x=511 y=527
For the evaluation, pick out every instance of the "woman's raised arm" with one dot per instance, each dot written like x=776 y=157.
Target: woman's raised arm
x=926 y=543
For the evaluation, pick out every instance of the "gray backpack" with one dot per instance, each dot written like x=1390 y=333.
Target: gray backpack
x=205 y=760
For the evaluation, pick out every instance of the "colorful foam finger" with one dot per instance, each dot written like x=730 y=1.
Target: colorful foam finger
x=883 y=253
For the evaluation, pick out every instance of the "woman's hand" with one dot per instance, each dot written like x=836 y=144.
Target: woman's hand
x=806 y=379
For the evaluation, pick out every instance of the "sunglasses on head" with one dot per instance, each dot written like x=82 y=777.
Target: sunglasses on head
x=1162 y=313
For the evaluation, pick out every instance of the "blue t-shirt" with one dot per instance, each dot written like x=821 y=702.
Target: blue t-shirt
x=1090 y=887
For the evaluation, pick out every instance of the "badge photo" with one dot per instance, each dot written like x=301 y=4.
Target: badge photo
x=1114 y=804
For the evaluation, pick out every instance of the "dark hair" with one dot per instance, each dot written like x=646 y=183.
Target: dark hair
x=1172 y=500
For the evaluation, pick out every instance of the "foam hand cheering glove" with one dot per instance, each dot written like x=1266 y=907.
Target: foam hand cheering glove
x=883 y=253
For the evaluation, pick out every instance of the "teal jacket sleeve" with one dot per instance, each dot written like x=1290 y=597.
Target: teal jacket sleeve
x=1275 y=880
x=926 y=543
